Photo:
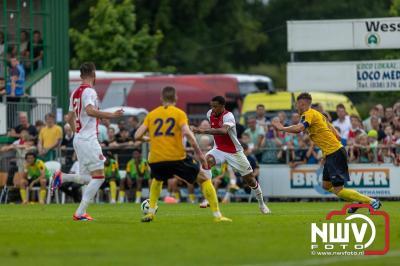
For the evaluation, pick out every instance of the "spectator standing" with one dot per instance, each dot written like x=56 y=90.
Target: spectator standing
x=256 y=134
x=50 y=138
x=16 y=80
x=356 y=128
x=343 y=122
x=133 y=125
x=389 y=114
x=375 y=125
x=260 y=116
x=68 y=139
x=37 y=50
x=367 y=122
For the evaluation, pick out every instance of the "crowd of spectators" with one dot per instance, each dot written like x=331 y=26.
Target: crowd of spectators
x=19 y=60
x=374 y=140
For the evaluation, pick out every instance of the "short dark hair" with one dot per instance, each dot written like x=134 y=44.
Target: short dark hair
x=36 y=32
x=50 y=115
x=31 y=153
x=137 y=150
x=304 y=96
x=260 y=105
x=168 y=94
x=340 y=106
x=87 y=69
x=219 y=99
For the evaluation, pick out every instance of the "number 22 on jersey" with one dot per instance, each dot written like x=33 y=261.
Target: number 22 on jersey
x=170 y=122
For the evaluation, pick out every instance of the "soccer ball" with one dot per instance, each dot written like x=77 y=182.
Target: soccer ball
x=145 y=206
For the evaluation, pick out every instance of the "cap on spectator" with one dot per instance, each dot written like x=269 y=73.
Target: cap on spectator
x=373 y=133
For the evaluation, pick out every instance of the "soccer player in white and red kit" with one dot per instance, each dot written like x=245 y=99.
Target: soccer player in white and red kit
x=83 y=117
x=227 y=147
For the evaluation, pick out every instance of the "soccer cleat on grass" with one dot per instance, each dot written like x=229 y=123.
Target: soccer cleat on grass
x=376 y=204
x=57 y=180
x=148 y=218
x=264 y=209
x=222 y=219
x=353 y=209
x=204 y=204
x=83 y=217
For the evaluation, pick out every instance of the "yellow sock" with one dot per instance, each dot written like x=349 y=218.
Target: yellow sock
x=121 y=196
x=331 y=190
x=113 y=190
x=177 y=196
x=138 y=194
x=210 y=194
x=22 y=192
x=155 y=191
x=192 y=197
x=353 y=195
x=42 y=196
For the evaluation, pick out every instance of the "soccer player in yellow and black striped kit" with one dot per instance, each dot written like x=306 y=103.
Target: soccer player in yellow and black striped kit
x=325 y=136
x=167 y=125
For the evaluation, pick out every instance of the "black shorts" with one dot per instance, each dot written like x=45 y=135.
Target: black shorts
x=336 y=169
x=187 y=169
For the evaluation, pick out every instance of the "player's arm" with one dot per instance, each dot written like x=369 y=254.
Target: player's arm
x=71 y=120
x=212 y=131
x=93 y=112
x=140 y=133
x=334 y=131
x=192 y=140
x=300 y=127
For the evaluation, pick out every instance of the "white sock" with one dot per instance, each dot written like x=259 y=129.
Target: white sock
x=88 y=195
x=227 y=196
x=217 y=214
x=120 y=199
x=76 y=178
x=232 y=181
x=258 y=193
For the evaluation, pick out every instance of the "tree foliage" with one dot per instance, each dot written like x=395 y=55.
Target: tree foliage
x=113 y=41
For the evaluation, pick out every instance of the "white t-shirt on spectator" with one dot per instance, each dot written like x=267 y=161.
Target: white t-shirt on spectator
x=344 y=126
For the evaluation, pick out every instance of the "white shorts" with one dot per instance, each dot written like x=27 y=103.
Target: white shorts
x=90 y=155
x=238 y=161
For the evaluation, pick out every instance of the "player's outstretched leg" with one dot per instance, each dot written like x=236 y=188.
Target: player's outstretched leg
x=351 y=195
x=88 y=195
x=255 y=187
x=211 y=196
x=155 y=191
x=59 y=178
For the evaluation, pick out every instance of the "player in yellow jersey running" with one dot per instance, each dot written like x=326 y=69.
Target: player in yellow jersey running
x=325 y=136
x=167 y=125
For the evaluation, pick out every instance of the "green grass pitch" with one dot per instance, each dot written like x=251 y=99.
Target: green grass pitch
x=182 y=234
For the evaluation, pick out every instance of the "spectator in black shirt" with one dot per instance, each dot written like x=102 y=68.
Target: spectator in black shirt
x=37 y=50
x=68 y=138
x=133 y=123
x=23 y=124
